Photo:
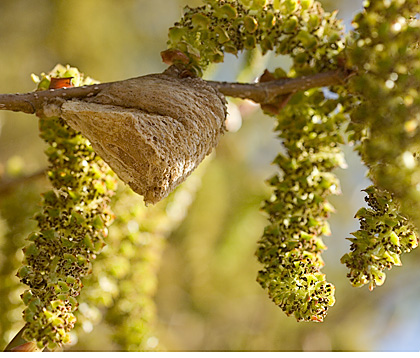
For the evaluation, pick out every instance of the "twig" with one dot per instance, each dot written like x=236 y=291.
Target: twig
x=32 y=101
x=18 y=344
x=264 y=92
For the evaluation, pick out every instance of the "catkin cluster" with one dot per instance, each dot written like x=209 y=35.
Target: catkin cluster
x=291 y=246
x=385 y=124
x=384 y=49
x=288 y=27
x=142 y=234
x=383 y=236
x=121 y=290
x=15 y=209
x=72 y=225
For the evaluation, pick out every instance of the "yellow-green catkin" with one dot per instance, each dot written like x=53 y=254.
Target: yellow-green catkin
x=384 y=50
x=291 y=246
x=385 y=127
x=287 y=27
x=125 y=282
x=72 y=225
x=121 y=290
x=383 y=236
x=16 y=208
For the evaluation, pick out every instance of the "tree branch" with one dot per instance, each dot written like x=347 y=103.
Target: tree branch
x=263 y=92
x=32 y=101
x=18 y=344
x=266 y=92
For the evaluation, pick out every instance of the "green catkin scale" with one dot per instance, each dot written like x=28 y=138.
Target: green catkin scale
x=72 y=225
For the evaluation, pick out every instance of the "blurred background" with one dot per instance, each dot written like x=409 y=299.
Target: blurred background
x=206 y=295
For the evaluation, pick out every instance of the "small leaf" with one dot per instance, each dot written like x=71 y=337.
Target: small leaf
x=97 y=222
x=63 y=297
x=24 y=271
x=258 y=4
x=308 y=41
x=27 y=296
x=266 y=45
x=270 y=20
x=306 y=4
x=69 y=257
x=64 y=287
x=290 y=5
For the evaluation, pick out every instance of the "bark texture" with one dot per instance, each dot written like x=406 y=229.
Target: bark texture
x=153 y=131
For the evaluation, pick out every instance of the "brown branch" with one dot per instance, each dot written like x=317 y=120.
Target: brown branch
x=264 y=92
x=32 y=101
x=18 y=344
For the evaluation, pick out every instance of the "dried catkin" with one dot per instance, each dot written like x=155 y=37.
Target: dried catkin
x=153 y=131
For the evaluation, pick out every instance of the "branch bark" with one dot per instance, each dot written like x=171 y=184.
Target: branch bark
x=264 y=92
x=18 y=344
x=32 y=101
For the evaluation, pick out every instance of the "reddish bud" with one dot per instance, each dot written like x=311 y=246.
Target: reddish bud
x=172 y=56
x=60 y=82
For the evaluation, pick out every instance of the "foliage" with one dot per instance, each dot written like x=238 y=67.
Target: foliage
x=300 y=29
x=71 y=228
x=122 y=287
x=383 y=236
x=15 y=208
x=385 y=49
x=379 y=107
x=291 y=247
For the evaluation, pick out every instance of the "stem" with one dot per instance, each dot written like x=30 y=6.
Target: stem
x=266 y=92
x=32 y=101
x=263 y=92
x=18 y=344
